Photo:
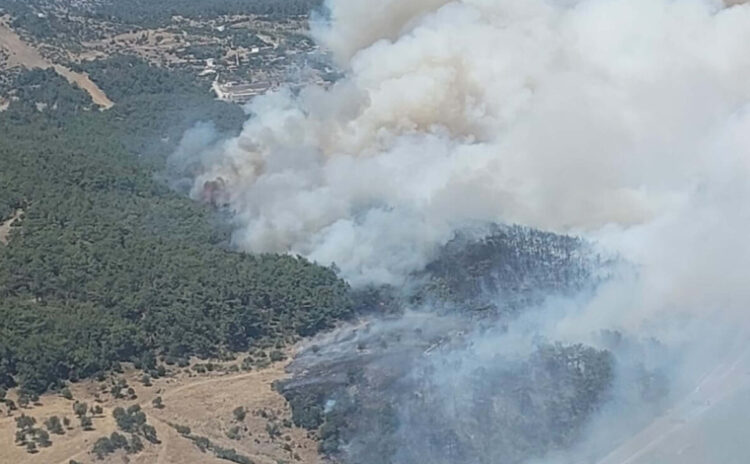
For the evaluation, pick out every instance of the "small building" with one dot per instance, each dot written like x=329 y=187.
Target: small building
x=239 y=92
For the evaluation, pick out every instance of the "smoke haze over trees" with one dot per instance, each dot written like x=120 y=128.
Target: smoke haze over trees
x=376 y=216
x=624 y=122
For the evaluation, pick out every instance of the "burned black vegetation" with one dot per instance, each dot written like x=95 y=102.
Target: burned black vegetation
x=425 y=383
x=507 y=269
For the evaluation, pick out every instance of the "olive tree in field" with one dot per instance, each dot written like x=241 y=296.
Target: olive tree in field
x=54 y=425
x=239 y=413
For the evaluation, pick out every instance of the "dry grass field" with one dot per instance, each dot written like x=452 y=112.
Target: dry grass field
x=203 y=402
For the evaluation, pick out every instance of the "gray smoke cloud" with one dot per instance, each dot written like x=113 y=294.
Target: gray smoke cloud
x=623 y=121
x=569 y=116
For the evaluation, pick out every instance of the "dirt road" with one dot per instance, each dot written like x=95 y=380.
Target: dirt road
x=22 y=54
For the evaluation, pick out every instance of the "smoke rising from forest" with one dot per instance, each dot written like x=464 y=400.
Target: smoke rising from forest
x=623 y=121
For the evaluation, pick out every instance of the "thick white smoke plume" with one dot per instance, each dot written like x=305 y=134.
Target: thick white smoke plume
x=558 y=114
x=625 y=121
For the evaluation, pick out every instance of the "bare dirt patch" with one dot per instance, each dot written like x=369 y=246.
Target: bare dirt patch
x=5 y=227
x=22 y=54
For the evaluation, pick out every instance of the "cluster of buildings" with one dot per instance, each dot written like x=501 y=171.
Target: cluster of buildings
x=238 y=92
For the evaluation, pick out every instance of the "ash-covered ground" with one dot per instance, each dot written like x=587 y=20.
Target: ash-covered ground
x=444 y=370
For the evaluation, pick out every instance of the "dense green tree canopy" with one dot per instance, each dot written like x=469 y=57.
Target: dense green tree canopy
x=107 y=262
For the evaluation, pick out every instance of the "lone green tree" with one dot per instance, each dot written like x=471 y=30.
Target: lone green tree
x=135 y=445
x=80 y=409
x=239 y=413
x=25 y=422
x=149 y=433
x=87 y=424
x=103 y=447
x=66 y=393
x=54 y=425
x=42 y=438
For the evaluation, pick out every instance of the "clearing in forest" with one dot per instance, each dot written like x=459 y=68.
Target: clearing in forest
x=22 y=54
x=5 y=227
